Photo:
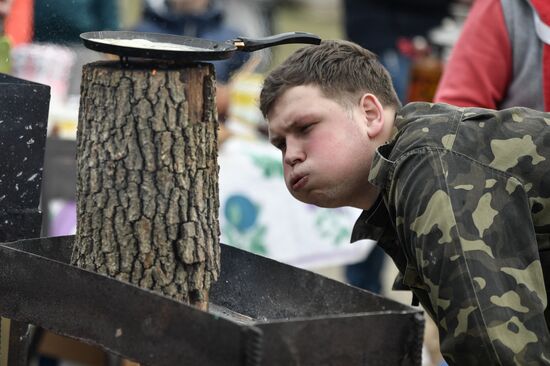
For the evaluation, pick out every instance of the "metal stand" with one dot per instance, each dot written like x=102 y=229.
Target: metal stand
x=23 y=120
x=262 y=313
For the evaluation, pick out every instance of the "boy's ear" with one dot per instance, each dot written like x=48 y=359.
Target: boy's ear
x=373 y=114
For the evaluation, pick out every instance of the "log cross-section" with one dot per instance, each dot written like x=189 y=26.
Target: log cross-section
x=147 y=177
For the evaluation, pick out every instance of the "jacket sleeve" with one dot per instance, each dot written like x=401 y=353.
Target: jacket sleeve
x=472 y=258
x=479 y=68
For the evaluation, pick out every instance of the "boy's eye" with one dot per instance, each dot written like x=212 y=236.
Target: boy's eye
x=306 y=128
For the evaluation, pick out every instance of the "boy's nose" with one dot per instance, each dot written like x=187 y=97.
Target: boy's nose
x=293 y=155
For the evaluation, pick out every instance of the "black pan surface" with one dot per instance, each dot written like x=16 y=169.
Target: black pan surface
x=157 y=46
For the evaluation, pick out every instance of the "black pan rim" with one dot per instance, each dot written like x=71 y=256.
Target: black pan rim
x=213 y=50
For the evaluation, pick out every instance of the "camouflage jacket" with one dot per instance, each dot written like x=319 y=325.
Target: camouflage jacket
x=465 y=215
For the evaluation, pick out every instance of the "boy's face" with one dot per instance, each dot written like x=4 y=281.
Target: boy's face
x=325 y=148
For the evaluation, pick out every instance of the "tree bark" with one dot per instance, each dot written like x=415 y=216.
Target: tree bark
x=147 y=177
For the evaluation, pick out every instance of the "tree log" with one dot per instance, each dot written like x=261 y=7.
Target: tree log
x=147 y=177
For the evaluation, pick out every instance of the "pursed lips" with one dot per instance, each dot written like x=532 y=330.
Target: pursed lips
x=298 y=181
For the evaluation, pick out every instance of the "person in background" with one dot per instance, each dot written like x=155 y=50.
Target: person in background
x=16 y=20
x=201 y=19
x=194 y=18
x=386 y=27
x=62 y=21
x=57 y=28
x=502 y=57
x=458 y=197
x=5 y=6
x=15 y=29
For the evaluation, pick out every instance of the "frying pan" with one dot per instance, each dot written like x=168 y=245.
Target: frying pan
x=182 y=48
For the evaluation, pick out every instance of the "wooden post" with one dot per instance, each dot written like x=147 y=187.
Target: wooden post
x=147 y=177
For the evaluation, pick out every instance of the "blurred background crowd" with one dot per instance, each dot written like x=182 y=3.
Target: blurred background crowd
x=39 y=41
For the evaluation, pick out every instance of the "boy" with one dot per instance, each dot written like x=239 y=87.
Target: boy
x=458 y=197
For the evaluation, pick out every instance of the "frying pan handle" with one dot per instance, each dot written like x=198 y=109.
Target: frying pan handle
x=254 y=44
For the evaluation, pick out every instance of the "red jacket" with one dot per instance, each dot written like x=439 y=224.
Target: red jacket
x=483 y=69
x=18 y=23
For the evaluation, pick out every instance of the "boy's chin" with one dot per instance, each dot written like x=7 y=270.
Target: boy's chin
x=323 y=202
